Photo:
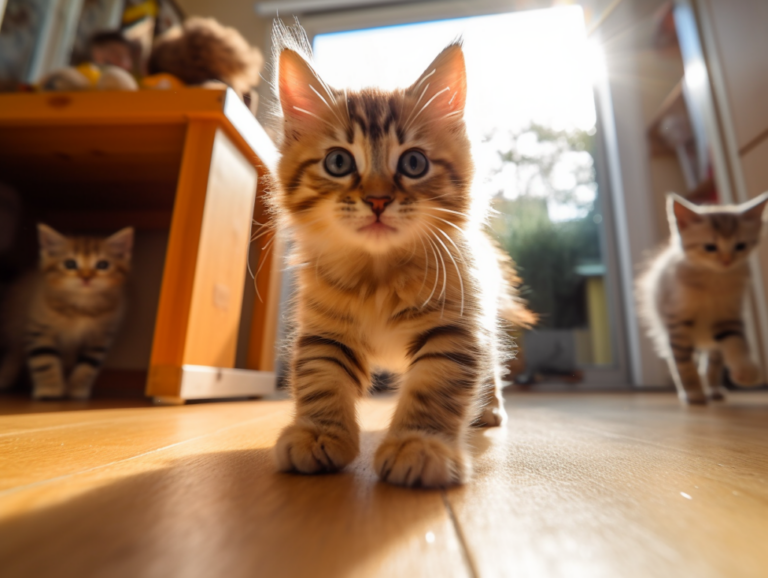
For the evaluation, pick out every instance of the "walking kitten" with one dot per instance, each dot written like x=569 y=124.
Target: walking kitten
x=61 y=319
x=392 y=272
x=692 y=295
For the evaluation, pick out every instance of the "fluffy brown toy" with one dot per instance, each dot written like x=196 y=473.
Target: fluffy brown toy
x=202 y=50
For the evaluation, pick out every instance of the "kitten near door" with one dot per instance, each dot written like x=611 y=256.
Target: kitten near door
x=692 y=295
x=393 y=270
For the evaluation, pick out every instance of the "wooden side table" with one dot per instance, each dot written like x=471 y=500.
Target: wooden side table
x=191 y=160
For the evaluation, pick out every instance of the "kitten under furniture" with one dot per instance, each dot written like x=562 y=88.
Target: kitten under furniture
x=692 y=296
x=61 y=319
x=394 y=271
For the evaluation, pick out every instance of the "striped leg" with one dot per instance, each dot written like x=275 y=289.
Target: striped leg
x=730 y=337
x=711 y=366
x=681 y=363
x=425 y=443
x=328 y=379
x=45 y=367
x=86 y=369
x=11 y=367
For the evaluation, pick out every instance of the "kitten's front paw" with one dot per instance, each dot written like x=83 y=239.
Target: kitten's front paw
x=747 y=374
x=48 y=391
x=418 y=459
x=305 y=448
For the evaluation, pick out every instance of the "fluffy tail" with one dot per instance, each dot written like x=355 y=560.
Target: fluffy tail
x=513 y=308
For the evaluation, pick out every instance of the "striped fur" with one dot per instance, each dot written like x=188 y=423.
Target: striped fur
x=414 y=288
x=61 y=319
x=692 y=295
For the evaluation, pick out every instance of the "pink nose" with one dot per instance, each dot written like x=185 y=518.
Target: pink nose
x=378 y=204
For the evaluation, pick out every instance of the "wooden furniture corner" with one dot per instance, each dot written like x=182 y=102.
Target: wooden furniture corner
x=192 y=160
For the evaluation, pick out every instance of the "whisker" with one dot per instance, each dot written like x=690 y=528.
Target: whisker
x=454 y=225
x=437 y=273
x=426 y=266
x=423 y=79
x=447 y=236
x=260 y=262
x=443 y=292
x=314 y=115
x=449 y=211
x=320 y=96
x=418 y=100
x=258 y=235
x=461 y=282
x=425 y=106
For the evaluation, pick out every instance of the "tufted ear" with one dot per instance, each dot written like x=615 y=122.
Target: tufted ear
x=442 y=88
x=681 y=213
x=302 y=92
x=121 y=243
x=753 y=210
x=51 y=242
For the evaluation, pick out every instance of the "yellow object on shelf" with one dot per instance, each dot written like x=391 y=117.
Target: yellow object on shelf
x=90 y=71
x=162 y=81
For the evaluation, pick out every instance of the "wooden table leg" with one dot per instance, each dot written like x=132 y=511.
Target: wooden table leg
x=201 y=295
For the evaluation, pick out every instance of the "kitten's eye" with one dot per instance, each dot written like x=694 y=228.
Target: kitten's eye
x=102 y=265
x=339 y=163
x=413 y=164
x=710 y=247
x=70 y=264
x=741 y=246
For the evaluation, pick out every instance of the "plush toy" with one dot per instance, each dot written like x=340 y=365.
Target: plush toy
x=88 y=76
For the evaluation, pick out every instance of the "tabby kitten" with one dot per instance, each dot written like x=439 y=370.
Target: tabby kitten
x=392 y=273
x=62 y=318
x=692 y=295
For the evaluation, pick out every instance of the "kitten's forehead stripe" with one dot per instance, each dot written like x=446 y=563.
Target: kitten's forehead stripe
x=725 y=224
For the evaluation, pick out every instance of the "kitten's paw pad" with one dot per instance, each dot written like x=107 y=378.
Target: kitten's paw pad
x=305 y=448
x=694 y=398
x=417 y=459
x=493 y=415
x=48 y=392
x=746 y=375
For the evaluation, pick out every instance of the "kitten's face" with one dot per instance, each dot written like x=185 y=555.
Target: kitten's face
x=719 y=238
x=375 y=170
x=83 y=266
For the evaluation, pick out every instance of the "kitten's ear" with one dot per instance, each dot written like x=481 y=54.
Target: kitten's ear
x=681 y=213
x=121 y=243
x=301 y=90
x=753 y=210
x=51 y=241
x=442 y=88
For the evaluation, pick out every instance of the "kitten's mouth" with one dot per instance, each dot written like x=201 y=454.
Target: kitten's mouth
x=377 y=227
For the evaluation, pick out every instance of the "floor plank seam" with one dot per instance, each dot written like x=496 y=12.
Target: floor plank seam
x=11 y=491
x=469 y=559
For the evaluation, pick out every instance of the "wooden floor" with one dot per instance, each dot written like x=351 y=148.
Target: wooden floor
x=594 y=485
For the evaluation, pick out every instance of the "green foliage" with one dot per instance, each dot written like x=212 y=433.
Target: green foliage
x=546 y=252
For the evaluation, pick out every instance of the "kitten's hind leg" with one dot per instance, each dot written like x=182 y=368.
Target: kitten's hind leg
x=686 y=377
x=492 y=413
x=712 y=368
x=328 y=378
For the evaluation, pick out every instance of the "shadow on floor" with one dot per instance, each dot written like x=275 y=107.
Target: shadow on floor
x=224 y=514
